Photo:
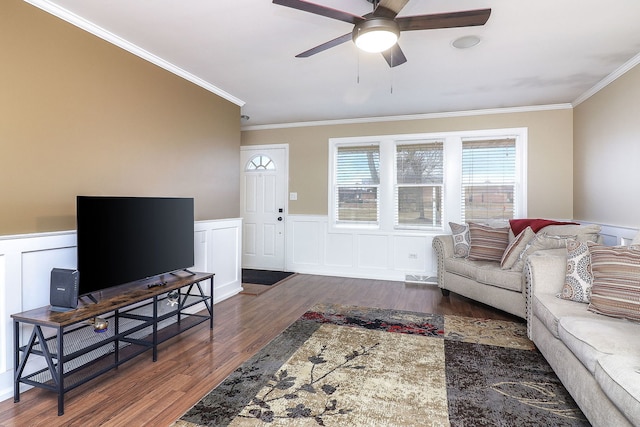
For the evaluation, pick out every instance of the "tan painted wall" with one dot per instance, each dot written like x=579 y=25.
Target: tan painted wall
x=81 y=116
x=550 y=174
x=607 y=154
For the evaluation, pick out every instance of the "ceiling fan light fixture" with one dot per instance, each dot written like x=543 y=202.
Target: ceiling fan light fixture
x=376 y=35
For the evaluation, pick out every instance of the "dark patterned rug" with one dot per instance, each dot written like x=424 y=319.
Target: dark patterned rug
x=358 y=366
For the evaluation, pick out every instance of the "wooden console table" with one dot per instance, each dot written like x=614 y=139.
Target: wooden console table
x=139 y=317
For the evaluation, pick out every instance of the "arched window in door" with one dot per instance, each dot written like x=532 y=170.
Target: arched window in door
x=260 y=162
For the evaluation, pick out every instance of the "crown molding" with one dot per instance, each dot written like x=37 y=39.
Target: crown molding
x=109 y=37
x=609 y=79
x=426 y=116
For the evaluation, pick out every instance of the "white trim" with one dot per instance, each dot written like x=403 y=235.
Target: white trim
x=452 y=179
x=108 y=36
x=510 y=110
x=609 y=79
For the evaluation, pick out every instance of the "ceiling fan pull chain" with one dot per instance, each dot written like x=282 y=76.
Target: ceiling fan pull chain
x=391 y=75
x=358 y=73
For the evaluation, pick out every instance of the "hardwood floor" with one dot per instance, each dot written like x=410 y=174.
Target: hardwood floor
x=142 y=393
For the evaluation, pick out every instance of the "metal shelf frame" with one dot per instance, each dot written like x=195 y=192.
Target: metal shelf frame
x=139 y=320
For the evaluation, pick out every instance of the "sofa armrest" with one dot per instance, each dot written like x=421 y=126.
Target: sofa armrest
x=544 y=272
x=443 y=247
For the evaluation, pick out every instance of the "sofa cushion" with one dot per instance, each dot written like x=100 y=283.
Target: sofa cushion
x=549 y=309
x=619 y=378
x=517 y=245
x=461 y=239
x=616 y=281
x=487 y=243
x=461 y=267
x=485 y=273
x=578 y=280
x=493 y=275
x=591 y=340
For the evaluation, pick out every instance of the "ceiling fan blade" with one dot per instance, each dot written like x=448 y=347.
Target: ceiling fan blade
x=467 y=18
x=394 y=56
x=389 y=8
x=324 y=46
x=320 y=10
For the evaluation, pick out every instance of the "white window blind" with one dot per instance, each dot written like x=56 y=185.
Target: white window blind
x=357 y=182
x=419 y=184
x=488 y=179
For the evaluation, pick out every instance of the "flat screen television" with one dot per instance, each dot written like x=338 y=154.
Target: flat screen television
x=127 y=239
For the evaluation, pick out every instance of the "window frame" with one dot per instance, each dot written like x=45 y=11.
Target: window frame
x=333 y=185
x=397 y=186
x=452 y=180
x=501 y=144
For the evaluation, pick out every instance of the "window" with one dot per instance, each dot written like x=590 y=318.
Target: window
x=424 y=181
x=260 y=162
x=488 y=179
x=357 y=180
x=419 y=183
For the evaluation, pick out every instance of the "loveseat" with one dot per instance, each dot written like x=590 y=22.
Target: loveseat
x=596 y=356
x=485 y=262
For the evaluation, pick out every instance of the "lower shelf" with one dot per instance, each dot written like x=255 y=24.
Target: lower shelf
x=85 y=372
x=92 y=364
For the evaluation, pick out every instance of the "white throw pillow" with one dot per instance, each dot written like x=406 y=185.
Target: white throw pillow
x=541 y=241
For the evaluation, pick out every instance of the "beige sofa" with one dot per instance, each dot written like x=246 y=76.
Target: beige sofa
x=490 y=283
x=482 y=281
x=596 y=357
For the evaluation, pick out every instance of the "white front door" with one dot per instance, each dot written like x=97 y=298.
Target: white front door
x=263 y=205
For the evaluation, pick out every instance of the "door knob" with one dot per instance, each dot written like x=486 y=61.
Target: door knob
x=279 y=218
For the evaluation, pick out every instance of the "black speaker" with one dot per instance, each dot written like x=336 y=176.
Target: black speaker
x=64 y=289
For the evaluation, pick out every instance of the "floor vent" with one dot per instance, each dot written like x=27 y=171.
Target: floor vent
x=421 y=279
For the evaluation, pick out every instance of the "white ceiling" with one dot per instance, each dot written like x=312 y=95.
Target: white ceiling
x=533 y=52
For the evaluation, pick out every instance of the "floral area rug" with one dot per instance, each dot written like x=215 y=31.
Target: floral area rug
x=359 y=366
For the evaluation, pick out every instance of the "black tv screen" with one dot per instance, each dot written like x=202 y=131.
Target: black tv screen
x=126 y=239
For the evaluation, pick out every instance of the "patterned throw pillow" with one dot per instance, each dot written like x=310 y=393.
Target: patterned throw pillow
x=616 y=281
x=487 y=243
x=461 y=239
x=578 y=281
x=517 y=245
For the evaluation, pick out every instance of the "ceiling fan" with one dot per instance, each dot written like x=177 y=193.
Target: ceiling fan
x=381 y=28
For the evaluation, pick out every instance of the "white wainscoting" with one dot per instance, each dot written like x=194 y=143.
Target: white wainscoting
x=26 y=262
x=613 y=235
x=314 y=248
